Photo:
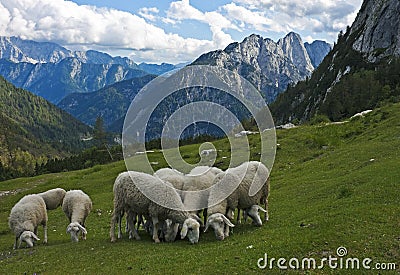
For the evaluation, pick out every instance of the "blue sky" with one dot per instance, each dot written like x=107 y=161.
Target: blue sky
x=170 y=31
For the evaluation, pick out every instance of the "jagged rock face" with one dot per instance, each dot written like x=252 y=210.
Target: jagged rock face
x=317 y=51
x=294 y=49
x=270 y=66
x=378 y=23
x=18 y=50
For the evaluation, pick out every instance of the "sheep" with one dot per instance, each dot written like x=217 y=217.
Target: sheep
x=172 y=176
x=76 y=206
x=200 y=178
x=128 y=196
x=242 y=177
x=53 y=198
x=25 y=217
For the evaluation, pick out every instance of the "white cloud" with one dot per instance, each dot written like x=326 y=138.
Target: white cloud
x=314 y=15
x=252 y=19
x=70 y=24
x=182 y=10
x=149 y=13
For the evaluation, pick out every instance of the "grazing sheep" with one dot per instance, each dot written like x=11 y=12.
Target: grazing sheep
x=243 y=176
x=200 y=178
x=53 y=198
x=128 y=196
x=76 y=206
x=25 y=217
x=173 y=176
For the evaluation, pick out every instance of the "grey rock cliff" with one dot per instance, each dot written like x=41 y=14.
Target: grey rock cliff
x=377 y=26
x=270 y=66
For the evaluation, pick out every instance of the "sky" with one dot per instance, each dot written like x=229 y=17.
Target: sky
x=171 y=31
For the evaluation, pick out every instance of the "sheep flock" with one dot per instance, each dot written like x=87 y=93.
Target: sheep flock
x=181 y=206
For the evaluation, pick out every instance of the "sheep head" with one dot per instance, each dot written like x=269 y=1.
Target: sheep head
x=74 y=228
x=29 y=237
x=253 y=213
x=191 y=229
x=218 y=222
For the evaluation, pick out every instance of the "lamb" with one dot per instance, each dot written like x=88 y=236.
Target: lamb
x=76 y=206
x=128 y=196
x=53 y=198
x=242 y=177
x=25 y=217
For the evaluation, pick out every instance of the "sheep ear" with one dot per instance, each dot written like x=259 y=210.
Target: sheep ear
x=184 y=230
x=69 y=228
x=198 y=220
x=262 y=209
x=227 y=221
x=207 y=225
x=33 y=235
x=82 y=228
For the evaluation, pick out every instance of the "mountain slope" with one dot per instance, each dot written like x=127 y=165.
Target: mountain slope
x=360 y=72
x=111 y=102
x=54 y=81
x=270 y=66
x=32 y=126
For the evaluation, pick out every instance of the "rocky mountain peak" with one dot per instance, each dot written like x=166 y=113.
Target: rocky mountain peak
x=293 y=47
x=377 y=29
x=270 y=66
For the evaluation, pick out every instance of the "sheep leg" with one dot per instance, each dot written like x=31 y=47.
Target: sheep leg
x=112 y=226
x=238 y=221
x=205 y=215
x=155 y=229
x=16 y=243
x=266 y=216
x=120 y=225
x=131 y=225
x=45 y=232
x=83 y=233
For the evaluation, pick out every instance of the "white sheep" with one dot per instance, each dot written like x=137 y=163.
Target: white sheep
x=172 y=176
x=76 y=206
x=243 y=176
x=25 y=217
x=53 y=198
x=128 y=196
x=200 y=178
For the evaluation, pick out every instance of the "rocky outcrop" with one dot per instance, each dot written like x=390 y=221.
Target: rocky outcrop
x=378 y=29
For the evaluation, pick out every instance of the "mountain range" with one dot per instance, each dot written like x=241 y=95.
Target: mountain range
x=53 y=72
x=361 y=71
x=268 y=65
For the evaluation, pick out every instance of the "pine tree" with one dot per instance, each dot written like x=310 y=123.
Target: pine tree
x=100 y=135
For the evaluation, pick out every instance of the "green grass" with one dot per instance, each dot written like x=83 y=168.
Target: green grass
x=331 y=186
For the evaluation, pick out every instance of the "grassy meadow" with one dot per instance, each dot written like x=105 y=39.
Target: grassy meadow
x=332 y=186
